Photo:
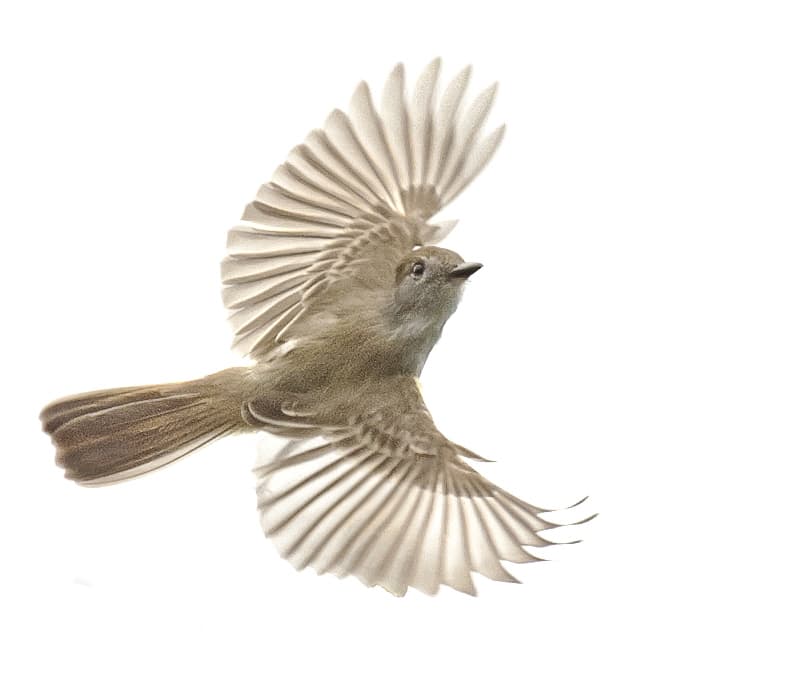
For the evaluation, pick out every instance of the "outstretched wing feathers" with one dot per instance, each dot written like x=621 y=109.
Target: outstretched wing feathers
x=396 y=121
x=389 y=500
x=398 y=164
x=394 y=521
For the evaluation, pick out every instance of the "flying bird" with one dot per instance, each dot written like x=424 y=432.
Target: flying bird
x=338 y=292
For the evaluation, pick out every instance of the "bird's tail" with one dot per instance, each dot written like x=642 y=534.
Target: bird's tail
x=107 y=436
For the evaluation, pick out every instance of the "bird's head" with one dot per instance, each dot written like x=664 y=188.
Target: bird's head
x=429 y=284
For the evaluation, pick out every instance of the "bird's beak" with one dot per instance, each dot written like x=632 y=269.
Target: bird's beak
x=465 y=270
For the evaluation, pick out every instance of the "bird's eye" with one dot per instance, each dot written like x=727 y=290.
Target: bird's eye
x=417 y=270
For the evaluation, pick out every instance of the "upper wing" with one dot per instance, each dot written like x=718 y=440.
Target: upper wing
x=351 y=200
x=388 y=499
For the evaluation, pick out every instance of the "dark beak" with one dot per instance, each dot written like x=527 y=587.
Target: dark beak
x=465 y=270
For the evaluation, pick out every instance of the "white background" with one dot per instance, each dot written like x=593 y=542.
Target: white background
x=639 y=333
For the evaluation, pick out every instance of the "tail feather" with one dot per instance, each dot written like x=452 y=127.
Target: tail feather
x=103 y=437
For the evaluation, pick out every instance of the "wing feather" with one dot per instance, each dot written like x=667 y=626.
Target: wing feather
x=464 y=136
x=445 y=124
x=397 y=126
x=421 y=121
x=369 y=135
x=474 y=162
x=483 y=552
x=456 y=567
x=262 y=290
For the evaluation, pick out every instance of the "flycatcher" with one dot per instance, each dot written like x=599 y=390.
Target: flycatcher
x=339 y=294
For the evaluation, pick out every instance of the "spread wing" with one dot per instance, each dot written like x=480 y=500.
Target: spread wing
x=350 y=201
x=388 y=499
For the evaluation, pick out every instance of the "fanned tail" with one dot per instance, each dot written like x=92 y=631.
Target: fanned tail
x=108 y=436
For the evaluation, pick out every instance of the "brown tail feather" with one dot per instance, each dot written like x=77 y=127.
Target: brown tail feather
x=106 y=436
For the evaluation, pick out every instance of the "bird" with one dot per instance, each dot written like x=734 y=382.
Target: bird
x=338 y=291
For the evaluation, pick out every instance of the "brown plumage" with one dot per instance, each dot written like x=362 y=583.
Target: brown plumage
x=339 y=294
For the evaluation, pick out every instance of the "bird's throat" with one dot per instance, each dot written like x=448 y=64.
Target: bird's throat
x=412 y=342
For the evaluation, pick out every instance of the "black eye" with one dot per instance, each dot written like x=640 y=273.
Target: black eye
x=417 y=270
